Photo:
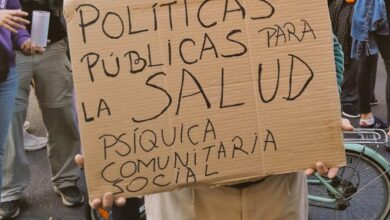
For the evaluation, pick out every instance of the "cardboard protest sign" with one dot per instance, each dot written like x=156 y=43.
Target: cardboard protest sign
x=201 y=92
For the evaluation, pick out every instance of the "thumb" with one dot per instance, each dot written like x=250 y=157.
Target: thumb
x=79 y=159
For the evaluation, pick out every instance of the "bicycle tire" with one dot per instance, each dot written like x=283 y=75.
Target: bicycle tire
x=363 y=205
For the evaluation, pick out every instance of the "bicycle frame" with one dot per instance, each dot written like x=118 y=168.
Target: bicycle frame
x=339 y=202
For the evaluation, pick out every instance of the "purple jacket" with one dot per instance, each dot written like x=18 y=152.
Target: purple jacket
x=7 y=39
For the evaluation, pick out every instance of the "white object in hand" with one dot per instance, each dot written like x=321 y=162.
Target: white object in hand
x=40 y=27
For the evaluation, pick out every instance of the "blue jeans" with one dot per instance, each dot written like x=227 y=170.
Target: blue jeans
x=7 y=101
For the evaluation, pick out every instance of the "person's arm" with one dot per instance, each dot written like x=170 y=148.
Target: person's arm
x=339 y=61
x=21 y=36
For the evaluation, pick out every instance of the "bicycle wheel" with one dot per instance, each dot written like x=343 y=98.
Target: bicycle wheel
x=366 y=185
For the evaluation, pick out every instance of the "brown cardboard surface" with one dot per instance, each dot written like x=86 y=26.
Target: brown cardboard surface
x=198 y=92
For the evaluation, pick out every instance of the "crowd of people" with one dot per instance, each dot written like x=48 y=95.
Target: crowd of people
x=362 y=30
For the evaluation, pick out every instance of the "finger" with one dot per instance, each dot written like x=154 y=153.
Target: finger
x=14 y=24
x=37 y=49
x=26 y=47
x=79 y=159
x=95 y=203
x=108 y=200
x=120 y=201
x=19 y=13
x=33 y=48
x=40 y=50
x=20 y=20
x=309 y=172
x=333 y=173
x=10 y=28
x=321 y=168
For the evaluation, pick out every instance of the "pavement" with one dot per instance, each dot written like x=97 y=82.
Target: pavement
x=41 y=203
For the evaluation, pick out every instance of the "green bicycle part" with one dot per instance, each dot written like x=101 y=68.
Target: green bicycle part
x=370 y=153
x=320 y=201
x=330 y=202
x=326 y=183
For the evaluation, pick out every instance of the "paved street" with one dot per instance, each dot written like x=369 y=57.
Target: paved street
x=41 y=203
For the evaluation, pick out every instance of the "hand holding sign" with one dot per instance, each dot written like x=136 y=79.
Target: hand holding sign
x=107 y=201
x=320 y=167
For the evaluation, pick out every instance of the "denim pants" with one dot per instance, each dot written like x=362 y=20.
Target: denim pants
x=7 y=101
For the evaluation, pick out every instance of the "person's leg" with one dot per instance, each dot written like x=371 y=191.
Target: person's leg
x=364 y=83
x=63 y=144
x=54 y=91
x=373 y=100
x=8 y=90
x=349 y=92
x=383 y=43
x=387 y=65
x=365 y=71
x=16 y=171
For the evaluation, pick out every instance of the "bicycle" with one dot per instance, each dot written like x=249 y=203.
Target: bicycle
x=361 y=189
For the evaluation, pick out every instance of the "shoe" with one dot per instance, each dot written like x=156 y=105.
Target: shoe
x=350 y=111
x=378 y=124
x=32 y=142
x=9 y=209
x=374 y=102
x=71 y=195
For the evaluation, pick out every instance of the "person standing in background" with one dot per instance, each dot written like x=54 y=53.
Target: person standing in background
x=371 y=35
x=341 y=12
x=54 y=90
